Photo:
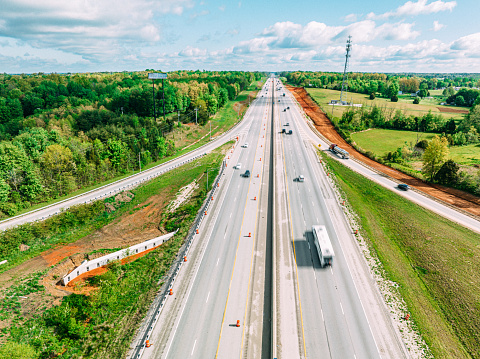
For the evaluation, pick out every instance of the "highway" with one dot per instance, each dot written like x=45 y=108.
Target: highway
x=126 y=183
x=217 y=288
x=332 y=320
x=415 y=196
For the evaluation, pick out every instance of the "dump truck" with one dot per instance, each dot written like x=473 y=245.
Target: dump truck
x=339 y=151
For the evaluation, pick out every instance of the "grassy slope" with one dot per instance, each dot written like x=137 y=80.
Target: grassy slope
x=323 y=97
x=124 y=293
x=433 y=260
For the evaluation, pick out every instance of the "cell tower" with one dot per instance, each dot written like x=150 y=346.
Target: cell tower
x=345 y=74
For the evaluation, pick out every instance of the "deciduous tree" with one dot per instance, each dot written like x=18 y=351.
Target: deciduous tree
x=434 y=156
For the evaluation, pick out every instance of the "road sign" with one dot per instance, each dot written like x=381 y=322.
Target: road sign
x=157 y=76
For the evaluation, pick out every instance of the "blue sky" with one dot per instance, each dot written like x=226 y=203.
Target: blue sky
x=116 y=35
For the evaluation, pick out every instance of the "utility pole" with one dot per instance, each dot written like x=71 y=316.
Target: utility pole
x=345 y=74
x=163 y=98
x=154 y=111
x=196 y=115
x=210 y=132
x=139 y=162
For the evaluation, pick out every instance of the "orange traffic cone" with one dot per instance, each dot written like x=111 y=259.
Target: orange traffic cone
x=185 y=258
x=238 y=323
x=147 y=344
x=170 y=292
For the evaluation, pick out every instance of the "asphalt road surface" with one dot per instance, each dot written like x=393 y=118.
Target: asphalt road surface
x=216 y=289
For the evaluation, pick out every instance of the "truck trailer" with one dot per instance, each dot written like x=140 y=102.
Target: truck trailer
x=323 y=244
x=339 y=151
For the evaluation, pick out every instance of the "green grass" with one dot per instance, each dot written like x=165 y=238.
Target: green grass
x=405 y=103
x=434 y=261
x=102 y=325
x=468 y=155
x=380 y=141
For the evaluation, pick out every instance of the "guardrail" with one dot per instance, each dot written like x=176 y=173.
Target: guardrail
x=222 y=137
x=175 y=268
x=115 y=256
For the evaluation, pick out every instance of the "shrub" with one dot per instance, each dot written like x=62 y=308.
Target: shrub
x=416 y=101
x=423 y=144
x=372 y=96
x=394 y=98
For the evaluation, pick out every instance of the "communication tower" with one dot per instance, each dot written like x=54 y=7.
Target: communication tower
x=345 y=74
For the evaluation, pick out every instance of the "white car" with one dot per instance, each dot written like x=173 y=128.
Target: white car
x=301 y=178
x=245 y=145
x=238 y=166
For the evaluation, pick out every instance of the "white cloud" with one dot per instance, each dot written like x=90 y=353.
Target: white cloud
x=468 y=45
x=420 y=7
x=437 y=26
x=192 y=52
x=350 y=18
x=222 y=7
x=86 y=27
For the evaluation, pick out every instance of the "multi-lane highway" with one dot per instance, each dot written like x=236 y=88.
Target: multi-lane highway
x=225 y=304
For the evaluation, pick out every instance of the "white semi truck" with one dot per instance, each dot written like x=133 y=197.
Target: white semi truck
x=323 y=244
x=339 y=151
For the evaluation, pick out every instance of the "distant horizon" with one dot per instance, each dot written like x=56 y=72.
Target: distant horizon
x=416 y=36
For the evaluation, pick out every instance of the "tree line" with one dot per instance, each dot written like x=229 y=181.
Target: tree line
x=389 y=85
x=62 y=132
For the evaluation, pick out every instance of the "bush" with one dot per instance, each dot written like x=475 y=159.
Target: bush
x=447 y=174
x=394 y=98
x=372 y=96
x=416 y=101
x=422 y=144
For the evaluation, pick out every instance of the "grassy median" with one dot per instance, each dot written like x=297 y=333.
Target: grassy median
x=434 y=261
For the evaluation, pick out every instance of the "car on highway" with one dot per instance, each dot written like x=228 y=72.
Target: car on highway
x=246 y=174
x=283 y=130
x=403 y=187
x=301 y=178
x=287 y=124
x=278 y=100
x=245 y=145
x=238 y=166
x=288 y=107
x=284 y=109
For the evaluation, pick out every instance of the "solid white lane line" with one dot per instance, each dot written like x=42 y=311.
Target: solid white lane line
x=342 y=308
x=217 y=261
x=194 y=346
x=321 y=311
x=231 y=215
x=207 y=297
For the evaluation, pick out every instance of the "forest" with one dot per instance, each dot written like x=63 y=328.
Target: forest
x=63 y=132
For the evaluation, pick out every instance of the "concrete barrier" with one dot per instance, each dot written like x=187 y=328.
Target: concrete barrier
x=118 y=255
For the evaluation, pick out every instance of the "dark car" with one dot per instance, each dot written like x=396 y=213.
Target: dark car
x=403 y=187
x=246 y=174
x=288 y=107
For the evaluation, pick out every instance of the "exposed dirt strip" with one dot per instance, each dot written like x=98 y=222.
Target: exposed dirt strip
x=454 y=197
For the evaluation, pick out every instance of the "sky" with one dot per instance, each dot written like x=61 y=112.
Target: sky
x=129 y=35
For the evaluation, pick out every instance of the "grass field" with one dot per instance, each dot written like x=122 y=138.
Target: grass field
x=434 y=262
x=380 y=142
x=405 y=103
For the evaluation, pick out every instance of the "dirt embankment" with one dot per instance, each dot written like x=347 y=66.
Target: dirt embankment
x=457 y=198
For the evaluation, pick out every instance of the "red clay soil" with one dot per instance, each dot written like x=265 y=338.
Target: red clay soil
x=452 y=110
x=72 y=285
x=457 y=198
